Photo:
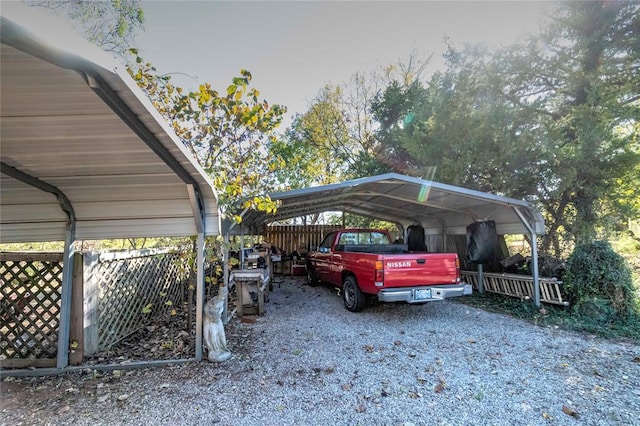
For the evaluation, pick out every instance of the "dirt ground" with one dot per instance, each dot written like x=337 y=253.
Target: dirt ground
x=309 y=361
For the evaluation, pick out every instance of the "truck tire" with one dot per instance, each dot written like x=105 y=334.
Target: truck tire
x=354 y=299
x=312 y=280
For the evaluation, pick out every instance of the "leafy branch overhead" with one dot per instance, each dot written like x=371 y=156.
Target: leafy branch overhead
x=229 y=132
x=112 y=25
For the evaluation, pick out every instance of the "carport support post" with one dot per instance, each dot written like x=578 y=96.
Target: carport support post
x=480 y=278
x=91 y=302
x=534 y=261
x=76 y=332
x=225 y=280
x=65 y=302
x=534 y=258
x=199 y=295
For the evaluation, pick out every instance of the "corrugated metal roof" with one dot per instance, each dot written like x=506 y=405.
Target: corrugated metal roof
x=72 y=117
x=441 y=209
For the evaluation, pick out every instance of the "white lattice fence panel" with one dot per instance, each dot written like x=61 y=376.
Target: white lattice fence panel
x=133 y=289
x=30 y=305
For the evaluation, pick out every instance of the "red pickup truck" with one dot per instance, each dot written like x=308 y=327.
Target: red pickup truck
x=365 y=263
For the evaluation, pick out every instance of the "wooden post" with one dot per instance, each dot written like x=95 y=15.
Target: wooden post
x=262 y=291
x=76 y=333
x=91 y=304
x=239 y=298
x=480 y=279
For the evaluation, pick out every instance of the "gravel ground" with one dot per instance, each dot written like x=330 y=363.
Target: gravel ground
x=309 y=361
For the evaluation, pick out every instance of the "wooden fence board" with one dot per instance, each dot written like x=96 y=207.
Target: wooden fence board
x=300 y=238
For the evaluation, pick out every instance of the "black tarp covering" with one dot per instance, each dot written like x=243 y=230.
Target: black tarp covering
x=482 y=242
x=415 y=238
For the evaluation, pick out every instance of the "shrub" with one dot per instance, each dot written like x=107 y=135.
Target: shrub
x=598 y=282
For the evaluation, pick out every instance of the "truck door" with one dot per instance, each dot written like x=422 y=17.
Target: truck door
x=336 y=264
x=322 y=258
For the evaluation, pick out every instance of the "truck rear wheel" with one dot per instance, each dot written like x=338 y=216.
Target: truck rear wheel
x=312 y=280
x=354 y=299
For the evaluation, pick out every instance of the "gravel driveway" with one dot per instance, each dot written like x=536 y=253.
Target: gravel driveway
x=309 y=361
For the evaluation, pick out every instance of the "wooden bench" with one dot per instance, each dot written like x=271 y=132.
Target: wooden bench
x=247 y=280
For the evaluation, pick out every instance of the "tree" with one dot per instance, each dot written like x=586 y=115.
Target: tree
x=456 y=129
x=336 y=138
x=358 y=95
x=110 y=25
x=394 y=109
x=323 y=145
x=228 y=133
x=553 y=120
x=578 y=83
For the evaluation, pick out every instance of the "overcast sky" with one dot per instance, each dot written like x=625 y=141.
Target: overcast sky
x=293 y=48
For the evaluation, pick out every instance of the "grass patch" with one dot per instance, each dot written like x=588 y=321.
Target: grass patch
x=552 y=315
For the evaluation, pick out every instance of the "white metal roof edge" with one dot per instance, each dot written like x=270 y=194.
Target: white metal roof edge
x=33 y=31
x=402 y=178
x=46 y=37
x=536 y=220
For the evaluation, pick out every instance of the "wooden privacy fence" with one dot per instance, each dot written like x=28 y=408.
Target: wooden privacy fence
x=518 y=286
x=114 y=295
x=298 y=238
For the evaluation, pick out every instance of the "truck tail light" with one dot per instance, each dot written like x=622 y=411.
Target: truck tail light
x=379 y=274
x=458 y=278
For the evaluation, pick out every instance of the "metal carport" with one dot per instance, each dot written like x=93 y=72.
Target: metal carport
x=85 y=155
x=441 y=209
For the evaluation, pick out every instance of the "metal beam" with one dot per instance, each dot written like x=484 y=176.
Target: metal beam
x=67 y=262
x=351 y=195
x=65 y=303
x=197 y=207
x=534 y=257
x=199 y=295
x=536 y=277
x=328 y=205
x=64 y=202
x=36 y=372
x=126 y=114
x=119 y=106
x=225 y=279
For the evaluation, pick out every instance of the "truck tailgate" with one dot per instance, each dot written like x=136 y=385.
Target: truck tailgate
x=420 y=269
